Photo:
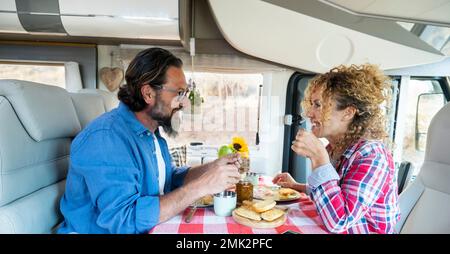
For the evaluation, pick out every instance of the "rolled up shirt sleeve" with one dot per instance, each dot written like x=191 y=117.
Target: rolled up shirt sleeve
x=322 y=175
x=114 y=186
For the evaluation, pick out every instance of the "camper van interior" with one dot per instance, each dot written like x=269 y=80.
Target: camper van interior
x=247 y=64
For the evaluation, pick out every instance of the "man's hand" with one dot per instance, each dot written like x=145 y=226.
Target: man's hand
x=210 y=178
x=308 y=145
x=234 y=159
x=196 y=172
x=221 y=174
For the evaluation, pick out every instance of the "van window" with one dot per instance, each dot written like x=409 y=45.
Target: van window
x=229 y=108
x=45 y=73
x=425 y=98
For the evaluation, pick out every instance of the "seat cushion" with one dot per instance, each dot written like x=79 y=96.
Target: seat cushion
x=38 y=123
x=425 y=205
x=430 y=215
x=37 y=213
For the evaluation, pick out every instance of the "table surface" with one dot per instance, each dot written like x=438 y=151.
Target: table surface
x=302 y=218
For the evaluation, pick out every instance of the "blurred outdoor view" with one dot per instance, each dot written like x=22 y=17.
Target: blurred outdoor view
x=50 y=74
x=430 y=106
x=229 y=108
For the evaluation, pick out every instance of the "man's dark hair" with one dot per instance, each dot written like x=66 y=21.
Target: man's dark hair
x=148 y=67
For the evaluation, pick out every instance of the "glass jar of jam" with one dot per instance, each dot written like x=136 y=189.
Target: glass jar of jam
x=244 y=191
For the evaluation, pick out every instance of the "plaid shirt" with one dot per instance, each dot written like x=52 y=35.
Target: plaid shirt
x=362 y=197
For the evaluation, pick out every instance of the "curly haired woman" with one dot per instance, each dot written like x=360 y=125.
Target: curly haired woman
x=353 y=182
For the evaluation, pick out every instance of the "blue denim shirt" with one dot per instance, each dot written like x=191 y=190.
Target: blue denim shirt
x=112 y=183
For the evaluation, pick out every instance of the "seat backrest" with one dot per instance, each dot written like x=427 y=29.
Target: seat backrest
x=110 y=100
x=88 y=106
x=404 y=175
x=38 y=123
x=425 y=204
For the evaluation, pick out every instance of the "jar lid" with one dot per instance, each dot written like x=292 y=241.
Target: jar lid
x=245 y=182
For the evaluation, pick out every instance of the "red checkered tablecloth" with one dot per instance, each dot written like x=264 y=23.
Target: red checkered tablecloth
x=302 y=218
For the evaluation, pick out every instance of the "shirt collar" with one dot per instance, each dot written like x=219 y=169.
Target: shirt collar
x=130 y=118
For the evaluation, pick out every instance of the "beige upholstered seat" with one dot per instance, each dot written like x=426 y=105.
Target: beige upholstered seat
x=37 y=125
x=425 y=204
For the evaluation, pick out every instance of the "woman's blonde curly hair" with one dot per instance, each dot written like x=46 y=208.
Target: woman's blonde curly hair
x=364 y=87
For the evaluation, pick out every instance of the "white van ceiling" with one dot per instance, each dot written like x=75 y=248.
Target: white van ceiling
x=137 y=19
x=304 y=41
x=309 y=35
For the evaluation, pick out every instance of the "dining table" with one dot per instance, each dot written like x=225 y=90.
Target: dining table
x=302 y=218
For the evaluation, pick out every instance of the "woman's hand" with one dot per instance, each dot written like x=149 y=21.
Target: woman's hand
x=284 y=180
x=308 y=145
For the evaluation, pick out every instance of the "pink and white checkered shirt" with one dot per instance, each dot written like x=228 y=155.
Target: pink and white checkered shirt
x=362 y=198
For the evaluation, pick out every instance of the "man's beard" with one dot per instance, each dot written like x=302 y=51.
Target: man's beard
x=165 y=121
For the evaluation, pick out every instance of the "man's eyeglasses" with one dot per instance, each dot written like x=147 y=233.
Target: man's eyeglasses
x=181 y=93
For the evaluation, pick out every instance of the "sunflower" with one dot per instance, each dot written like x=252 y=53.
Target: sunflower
x=239 y=144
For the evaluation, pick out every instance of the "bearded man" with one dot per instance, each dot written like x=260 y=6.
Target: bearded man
x=121 y=178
